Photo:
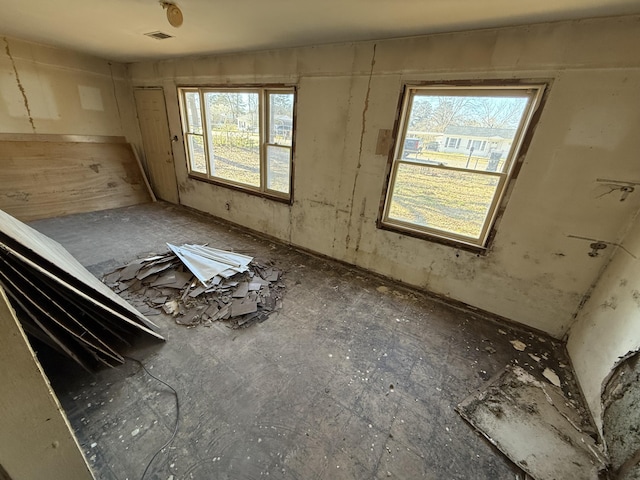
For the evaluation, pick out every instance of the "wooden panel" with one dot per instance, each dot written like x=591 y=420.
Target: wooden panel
x=51 y=179
x=53 y=260
x=36 y=440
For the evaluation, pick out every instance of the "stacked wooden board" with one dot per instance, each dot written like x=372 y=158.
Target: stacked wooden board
x=61 y=303
x=43 y=176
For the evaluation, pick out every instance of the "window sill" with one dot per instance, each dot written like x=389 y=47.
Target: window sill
x=478 y=250
x=257 y=193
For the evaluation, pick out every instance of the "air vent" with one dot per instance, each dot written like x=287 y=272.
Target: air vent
x=159 y=35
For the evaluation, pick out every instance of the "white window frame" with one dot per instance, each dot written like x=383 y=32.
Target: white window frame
x=534 y=91
x=264 y=129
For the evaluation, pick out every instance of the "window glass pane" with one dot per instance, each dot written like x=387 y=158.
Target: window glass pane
x=448 y=200
x=474 y=132
x=196 y=154
x=233 y=124
x=280 y=118
x=278 y=167
x=192 y=107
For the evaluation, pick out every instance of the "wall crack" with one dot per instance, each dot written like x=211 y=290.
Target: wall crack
x=359 y=165
x=19 y=83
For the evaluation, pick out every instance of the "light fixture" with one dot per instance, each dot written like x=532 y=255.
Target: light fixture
x=174 y=14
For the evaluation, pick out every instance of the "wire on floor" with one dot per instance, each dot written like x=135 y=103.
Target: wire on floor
x=175 y=428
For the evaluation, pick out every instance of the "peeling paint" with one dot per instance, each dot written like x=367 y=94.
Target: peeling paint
x=19 y=83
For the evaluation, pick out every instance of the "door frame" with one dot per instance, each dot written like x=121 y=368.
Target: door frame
x=171 y=139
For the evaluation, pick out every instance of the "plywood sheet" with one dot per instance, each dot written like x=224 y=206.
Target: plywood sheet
x=48 y=256
x=36 y=440
x=55 y=296
x=50 y=179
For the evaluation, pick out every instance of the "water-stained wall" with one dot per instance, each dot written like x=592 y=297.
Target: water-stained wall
x=48 y=90
x=607 y=329
x=535 y=273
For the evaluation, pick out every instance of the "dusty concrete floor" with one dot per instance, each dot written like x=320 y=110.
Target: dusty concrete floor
x=355 y=378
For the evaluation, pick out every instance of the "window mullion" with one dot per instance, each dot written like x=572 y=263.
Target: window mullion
x=263 y=105
x=205 y=135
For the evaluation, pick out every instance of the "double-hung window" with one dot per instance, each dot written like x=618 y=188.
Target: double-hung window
x=240 y=137
x=465 y=141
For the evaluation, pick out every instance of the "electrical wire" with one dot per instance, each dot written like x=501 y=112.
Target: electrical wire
x=175 y=428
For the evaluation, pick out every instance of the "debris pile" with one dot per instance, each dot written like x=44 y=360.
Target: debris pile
x=536 y=426
x=198 y=284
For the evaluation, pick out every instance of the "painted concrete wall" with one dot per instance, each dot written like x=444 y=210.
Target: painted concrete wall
x=608 y=327
x=535 y=274
x=36 y=440
x=47 y=90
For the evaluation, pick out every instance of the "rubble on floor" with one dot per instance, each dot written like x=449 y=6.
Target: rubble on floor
x=198 y=284
x=60 y=303
x=533 y=423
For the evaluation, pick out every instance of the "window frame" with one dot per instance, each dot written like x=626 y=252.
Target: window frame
x=263 y=91
x=526 y=127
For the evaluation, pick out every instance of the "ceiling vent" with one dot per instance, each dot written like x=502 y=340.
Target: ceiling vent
x=159 y=35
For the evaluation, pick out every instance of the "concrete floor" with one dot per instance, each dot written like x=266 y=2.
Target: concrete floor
x=356 y=377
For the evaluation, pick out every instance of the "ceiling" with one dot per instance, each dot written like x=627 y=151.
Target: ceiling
x=114 y=29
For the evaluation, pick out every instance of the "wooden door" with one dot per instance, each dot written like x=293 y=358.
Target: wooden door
x=156 y=139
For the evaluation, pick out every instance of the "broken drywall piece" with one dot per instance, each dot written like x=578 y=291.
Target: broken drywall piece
x=241 y=290
x=518 y=345
x=197 y=291
x=551 y=376
x=242 y=307
x=156 y=268
x=535 y=426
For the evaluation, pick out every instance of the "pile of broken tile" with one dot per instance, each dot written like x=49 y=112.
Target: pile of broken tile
x=198 y=284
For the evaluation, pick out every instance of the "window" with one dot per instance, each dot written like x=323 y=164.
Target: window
x=453 y=142
x=241 y=137
x=446 y=192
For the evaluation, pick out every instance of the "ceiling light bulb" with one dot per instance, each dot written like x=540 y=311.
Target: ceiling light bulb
x=174 y=14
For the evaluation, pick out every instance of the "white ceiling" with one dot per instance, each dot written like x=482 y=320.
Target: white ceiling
x=114 y=29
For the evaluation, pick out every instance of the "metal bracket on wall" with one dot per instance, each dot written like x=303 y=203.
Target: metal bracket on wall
x=621 y=185
x=597 y=245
